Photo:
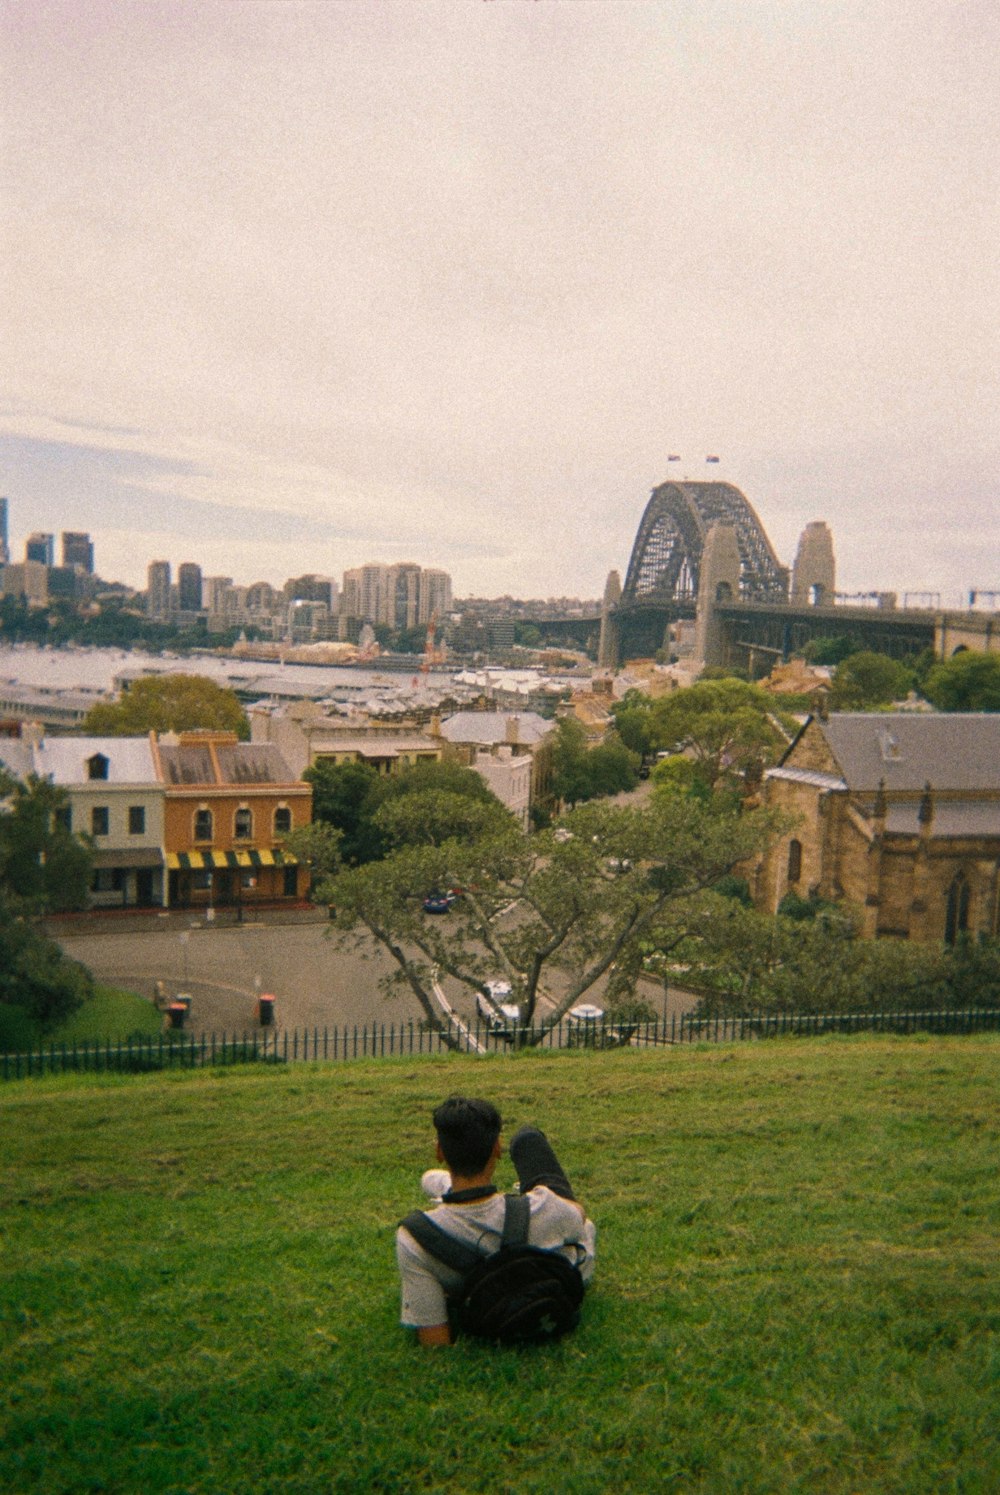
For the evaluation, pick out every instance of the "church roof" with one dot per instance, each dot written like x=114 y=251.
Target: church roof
x=949 y=750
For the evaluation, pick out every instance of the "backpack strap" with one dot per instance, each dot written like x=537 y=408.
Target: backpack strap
x=440 y=1244
x=517 y=1217
x=461 y=1258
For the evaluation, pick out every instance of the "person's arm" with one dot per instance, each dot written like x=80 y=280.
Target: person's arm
x=424 y=1308
x=434 y=1336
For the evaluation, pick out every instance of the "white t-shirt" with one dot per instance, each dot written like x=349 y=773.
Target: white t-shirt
x=555 y=1224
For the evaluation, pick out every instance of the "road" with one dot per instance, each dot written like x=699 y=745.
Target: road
x=314 y=983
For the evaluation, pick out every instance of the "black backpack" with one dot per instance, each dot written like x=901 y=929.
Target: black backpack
x=519 y=1294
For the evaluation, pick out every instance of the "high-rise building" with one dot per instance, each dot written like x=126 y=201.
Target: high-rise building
x=366 y=593
x=4 y=546
x=214 y=589
x=77 y=550
x=189 y=587
x=40 y=547
x=435 y=594
x=402 y=602
x=312 y=588
x=158 y=589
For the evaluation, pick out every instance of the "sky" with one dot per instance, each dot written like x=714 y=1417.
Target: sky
x=293 y=285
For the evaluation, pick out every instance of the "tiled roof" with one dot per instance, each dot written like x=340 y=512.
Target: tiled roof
x=239 y=763
x=951 y=818
x=949 y=750
x=65 y=759
x=490 y=727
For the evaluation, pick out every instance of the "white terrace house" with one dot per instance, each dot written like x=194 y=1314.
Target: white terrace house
x=117 y=799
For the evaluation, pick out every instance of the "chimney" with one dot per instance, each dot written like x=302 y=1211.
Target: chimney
x=510 y=735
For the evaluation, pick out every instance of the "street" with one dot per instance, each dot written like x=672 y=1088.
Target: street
x=314 y=983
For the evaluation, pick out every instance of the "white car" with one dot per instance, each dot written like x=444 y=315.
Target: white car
x=496 y=1009
x=585 y=1013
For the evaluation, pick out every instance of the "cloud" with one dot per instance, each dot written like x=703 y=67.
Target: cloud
x=451 y=281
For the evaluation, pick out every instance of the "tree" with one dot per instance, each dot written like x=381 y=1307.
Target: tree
x=633 y=722
x=344 y=797
x=353 y=796
x=432 y=817
x=316 y=846
x=829 y=651
x=866 y=681
x=968 y=681
x=169 y=703
x=39 y=987
x=729 y=730
x=553 y=913
x=43 y=866
x=581 y=773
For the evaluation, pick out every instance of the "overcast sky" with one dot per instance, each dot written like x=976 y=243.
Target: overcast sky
x=294 y=286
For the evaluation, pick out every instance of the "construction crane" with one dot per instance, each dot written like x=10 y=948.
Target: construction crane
x=430 y=655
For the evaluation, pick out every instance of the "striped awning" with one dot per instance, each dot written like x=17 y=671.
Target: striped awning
x=199 y=861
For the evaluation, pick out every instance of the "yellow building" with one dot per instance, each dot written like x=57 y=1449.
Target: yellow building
x=228 y=808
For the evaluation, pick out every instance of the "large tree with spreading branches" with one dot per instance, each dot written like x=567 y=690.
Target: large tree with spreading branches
x=553 y=914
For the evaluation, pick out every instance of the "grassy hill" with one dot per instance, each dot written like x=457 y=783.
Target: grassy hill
x=796 y=1290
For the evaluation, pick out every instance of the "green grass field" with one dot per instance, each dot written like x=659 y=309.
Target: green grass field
x=796 y=1290
x=111 y=1014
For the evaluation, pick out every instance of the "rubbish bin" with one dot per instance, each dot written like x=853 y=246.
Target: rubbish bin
x=265 y=1011
x=176 y=1013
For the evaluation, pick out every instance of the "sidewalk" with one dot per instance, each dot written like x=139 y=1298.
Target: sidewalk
x=152 y=920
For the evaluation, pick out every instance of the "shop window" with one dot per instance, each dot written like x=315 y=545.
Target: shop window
x=203 y=825
x=282 y=820
x=100 y=820
x=243 y=825
x=137 y=820
x=201 y=882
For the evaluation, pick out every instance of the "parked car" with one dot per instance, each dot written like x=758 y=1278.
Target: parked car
x=438 y=903
x=587 y=1012
x=497 y=1011
x=586 y=1027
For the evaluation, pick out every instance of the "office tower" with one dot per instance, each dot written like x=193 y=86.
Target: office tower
x=77 y=550
x=41 y=547
x=4 y=546
x=189 y=587
x=158 y=589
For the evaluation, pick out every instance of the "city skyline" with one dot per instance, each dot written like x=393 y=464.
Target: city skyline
x=296 y=286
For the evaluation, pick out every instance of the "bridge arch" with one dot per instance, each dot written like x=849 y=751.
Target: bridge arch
x=665 y=567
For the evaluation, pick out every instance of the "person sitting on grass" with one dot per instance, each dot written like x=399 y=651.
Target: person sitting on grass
x=471 y=1210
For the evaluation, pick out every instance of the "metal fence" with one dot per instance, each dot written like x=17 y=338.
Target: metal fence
x=178 y=1049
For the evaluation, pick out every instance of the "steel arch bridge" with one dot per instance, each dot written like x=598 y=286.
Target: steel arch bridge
x=665 y=567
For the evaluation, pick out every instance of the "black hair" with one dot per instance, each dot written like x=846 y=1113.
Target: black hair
x=467 y=1131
